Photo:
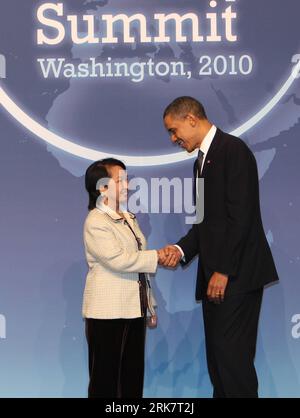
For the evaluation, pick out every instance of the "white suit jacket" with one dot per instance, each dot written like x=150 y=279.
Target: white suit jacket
x=112 y=288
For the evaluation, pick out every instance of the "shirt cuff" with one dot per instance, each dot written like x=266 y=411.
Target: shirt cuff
x=182 y=253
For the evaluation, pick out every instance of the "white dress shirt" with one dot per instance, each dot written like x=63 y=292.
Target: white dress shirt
x=206 y=143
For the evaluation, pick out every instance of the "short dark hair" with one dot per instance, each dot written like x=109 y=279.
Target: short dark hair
x=183 y=105
x=95 y=172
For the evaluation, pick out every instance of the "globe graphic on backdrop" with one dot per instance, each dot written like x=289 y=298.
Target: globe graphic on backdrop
x=124 y=116
x=121 y=116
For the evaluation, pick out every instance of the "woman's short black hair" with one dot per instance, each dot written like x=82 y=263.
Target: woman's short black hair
x=95 y=172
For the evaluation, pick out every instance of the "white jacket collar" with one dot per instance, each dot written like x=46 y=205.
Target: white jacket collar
x=113 y=214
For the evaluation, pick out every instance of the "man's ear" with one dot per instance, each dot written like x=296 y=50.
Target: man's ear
x=192 y=119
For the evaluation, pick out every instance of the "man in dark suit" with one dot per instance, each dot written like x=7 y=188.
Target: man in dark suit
x=235 y=261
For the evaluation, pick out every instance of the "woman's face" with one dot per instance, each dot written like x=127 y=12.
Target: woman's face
x=117 y=186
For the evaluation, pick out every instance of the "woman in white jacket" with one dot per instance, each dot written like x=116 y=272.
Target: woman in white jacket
x=117 y=296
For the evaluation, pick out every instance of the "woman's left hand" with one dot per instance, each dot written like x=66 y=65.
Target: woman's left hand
x=152 y=321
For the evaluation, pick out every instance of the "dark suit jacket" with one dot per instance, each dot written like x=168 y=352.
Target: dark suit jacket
x=231 y=239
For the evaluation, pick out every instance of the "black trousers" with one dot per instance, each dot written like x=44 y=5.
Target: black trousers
x=116 y=357
x=231 y=334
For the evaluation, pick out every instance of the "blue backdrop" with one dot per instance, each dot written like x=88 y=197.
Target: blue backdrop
x=241 y=69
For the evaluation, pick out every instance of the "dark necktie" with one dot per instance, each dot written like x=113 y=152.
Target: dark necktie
x=199 y=162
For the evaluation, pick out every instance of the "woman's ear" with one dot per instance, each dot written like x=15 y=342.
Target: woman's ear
x=103 y=190
x=102 y=185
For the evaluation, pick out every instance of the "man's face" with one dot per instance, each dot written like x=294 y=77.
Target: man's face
x=182 y=131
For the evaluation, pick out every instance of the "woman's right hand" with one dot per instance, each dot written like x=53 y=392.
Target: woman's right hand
x=169 y=256
x=162 y=256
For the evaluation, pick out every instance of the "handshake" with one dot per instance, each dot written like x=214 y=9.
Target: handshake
x=169 y=256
